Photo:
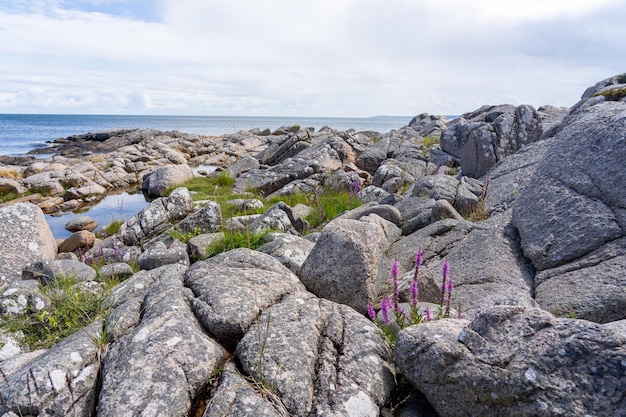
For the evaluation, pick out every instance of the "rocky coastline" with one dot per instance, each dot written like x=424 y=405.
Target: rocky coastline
x=526 y=206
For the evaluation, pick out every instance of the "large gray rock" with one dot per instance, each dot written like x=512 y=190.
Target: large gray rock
x=348 y=263
x=516 y=362
x=165 y=177
x=159 y=367
x=24 y=237
x=488 y=135
x=156 y=217
x=233 y=287
x=321 y=358
x=572 y=217
x=60 y=382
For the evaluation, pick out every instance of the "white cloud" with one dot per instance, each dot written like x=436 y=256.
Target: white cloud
x=280 y=57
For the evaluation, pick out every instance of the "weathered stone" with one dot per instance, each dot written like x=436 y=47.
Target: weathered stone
x=117 y=270
x=198 y=245
x=240 y=223
x=245 y=205
x=276 y=219
x=371 y=194
x=24 y=237
x=8 y=185
x=64 y=268
x=86 y=192
x=437 y=187
x=156 y=217
x=487 y=135
x=245 y=164
x=322 y=358
x=233 y=287
x=290 y=250
x=148 y=371
x=158 y=255
x=61 y=381
x=571 y=217
x=82 y=240
x=386 y=211
x=416 y=212
x=235 y=396
x=516 y=362
x=126 y=299
x=18 y=297
x=81 y=223
x=165 y=177
x=348 y=264
x=442 y=209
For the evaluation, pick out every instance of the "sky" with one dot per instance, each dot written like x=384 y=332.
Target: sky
x=341 y=58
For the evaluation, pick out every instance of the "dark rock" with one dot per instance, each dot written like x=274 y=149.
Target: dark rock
x=571 y=217
x=517 y=362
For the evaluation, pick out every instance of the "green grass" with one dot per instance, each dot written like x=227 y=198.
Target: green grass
x=329 y=205
x=429 y=141
x=4 y=198
x=220 y=190
x=71 y=309
x=110 y=229
x=235 y=240
x=184 y=237
x=615 y=94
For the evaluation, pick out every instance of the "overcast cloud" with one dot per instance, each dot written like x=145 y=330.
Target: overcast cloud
x=303 y=58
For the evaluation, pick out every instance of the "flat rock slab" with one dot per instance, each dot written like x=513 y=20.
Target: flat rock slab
x=166 y=361
x=516 y=362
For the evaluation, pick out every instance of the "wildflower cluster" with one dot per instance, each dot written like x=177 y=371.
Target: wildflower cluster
x=395 y=318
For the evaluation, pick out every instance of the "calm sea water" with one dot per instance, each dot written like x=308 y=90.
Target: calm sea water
x=20 y=133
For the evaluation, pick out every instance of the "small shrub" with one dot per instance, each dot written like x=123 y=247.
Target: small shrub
x=390 y=305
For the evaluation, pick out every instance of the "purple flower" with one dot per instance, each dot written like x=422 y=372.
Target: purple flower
x=458 y=314
x=395 y=273
x=371 y=312
x=418 y=263
x=414 y=292
x=449 y=288
x=419 y=258
x=355 y=187
x=444 y=272
x=429 y=315
x=385 y=307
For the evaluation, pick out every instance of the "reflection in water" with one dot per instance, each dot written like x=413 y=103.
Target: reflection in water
x=113 y=207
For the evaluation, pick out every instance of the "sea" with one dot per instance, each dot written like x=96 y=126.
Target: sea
x=20 y=133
